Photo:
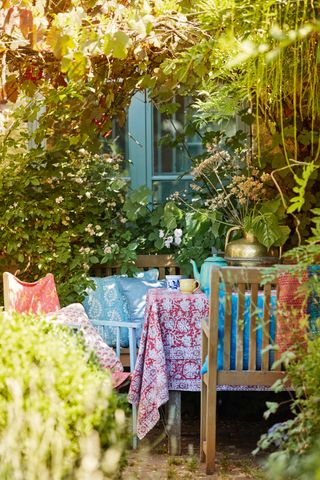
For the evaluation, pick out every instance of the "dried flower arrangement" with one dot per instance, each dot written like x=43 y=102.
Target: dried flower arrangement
x=244 y=196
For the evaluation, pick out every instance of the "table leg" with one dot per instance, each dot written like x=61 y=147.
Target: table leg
x=174 y=423
x=135 y=440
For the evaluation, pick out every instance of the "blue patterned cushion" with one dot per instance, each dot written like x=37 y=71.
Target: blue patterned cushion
x=151 y=275
x=246 y=331
x=135 y=291
x=107 y=302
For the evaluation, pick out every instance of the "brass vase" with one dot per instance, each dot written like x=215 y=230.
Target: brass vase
x=247 y=251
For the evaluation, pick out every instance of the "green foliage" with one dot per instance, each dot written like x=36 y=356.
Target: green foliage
x=112 y=48
x=261 y=61
x=266 y=227
x=298 y=201
x=136 y=203
x=297 y=440
x=298 y=437
x=61 y=209
x=57 y=408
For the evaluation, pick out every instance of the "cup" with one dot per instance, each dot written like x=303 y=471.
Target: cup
x=189 y=285
x=173 y=282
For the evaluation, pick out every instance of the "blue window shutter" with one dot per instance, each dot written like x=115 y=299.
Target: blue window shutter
x=140 y=141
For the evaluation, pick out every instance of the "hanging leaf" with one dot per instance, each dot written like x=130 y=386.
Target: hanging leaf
x=120 y=43
x=197 y=223
x=171 y=215
x=136 y=203
x=26 y=22
x=297 y=201
x=284 y=235
x=10 y=90
x=267 y=229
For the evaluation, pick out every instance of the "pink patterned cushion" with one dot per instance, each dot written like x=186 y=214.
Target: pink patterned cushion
x=291 y=312
x=75 y=314
x=36 y=297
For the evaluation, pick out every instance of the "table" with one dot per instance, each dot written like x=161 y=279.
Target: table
x=169 y=355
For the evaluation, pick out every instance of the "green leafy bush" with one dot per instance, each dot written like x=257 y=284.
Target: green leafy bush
x=170 y=229
x=297 y=439
x=61 y=209
x=59 y=418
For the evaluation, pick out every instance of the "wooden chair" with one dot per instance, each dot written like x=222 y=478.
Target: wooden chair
x=240 y=280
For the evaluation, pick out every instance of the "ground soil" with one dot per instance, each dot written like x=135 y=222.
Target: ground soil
x=240 y=425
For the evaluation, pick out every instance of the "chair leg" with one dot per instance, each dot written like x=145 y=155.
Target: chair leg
x=203 y=416
x=135 y=440
x=210 y=428
x=174 y=422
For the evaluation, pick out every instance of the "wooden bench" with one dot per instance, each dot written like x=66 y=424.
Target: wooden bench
x=242 y=280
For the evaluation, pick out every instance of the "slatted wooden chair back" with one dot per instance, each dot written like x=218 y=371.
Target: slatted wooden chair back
x=165 y=264
x=242 y=281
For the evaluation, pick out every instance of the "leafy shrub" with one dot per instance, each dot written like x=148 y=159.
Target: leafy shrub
x=59 y=418
x=61 y=210
x=297 y=438
x=169 y=229
x=297 y=455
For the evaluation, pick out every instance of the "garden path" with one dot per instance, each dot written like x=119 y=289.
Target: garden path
x=236 y=441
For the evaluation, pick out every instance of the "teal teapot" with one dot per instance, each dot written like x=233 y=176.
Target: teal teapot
x=204 y=276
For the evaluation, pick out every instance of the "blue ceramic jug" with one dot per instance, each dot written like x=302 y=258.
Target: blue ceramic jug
x=204 y=275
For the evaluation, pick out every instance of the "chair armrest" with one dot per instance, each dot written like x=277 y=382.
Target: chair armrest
x=105 y=323
x=132 y=327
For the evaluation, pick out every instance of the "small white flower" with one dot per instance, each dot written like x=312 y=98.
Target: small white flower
x=59 y=199
x=107 y=250
x=161 y=233
x=177 y=241
x=178 y=232
x=98 y=227
x=85 y=250
x=88 y=194
x=168 y=242
x=123 y=220
x=90 y=230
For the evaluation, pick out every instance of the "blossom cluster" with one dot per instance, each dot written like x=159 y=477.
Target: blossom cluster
x=174 y=239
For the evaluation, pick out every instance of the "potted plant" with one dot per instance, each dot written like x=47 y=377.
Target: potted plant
x=235 y=192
